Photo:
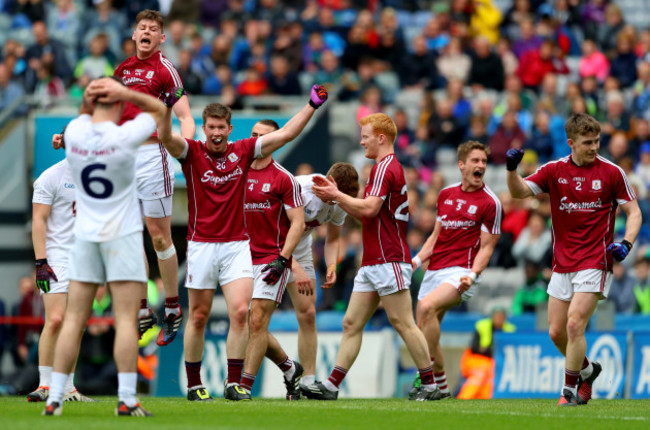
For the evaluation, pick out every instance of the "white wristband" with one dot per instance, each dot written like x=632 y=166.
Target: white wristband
x=473 y=277
x=417 y=261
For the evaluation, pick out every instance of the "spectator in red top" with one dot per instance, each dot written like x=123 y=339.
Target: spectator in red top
x=508 y=135
x=536 y=64
x=253 y=84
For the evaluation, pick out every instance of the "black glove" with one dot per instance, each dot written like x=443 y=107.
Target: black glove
x=619 y=250
x=43 y=275
x=513 y=158
x=275 y=269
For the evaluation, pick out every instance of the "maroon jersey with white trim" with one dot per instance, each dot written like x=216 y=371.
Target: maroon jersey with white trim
x=154 y=76
x=215 y=190
x=463 y=216
x=583 y=207
x=384 y=235
x=269 y=193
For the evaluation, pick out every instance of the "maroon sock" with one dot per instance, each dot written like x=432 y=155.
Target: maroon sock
x=193 y=371
x=337 y=376
x=235 y=368
x=585 y=363
x=172 y=302
x=144 y=304
x=426 y=375
x=285 y=364
x=571 y=378
x=247 y=381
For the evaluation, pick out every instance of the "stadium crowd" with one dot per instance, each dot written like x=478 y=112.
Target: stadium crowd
x=503 y=73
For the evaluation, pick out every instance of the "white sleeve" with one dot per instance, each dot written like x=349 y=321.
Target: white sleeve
x=136 y=131
x=258 y=147
x=44 y=189
x=183 y=154
x=338 y=215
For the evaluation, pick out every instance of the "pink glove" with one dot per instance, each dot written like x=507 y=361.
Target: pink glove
x=318 y=96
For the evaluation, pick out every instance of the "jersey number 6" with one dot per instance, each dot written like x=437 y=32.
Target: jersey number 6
x=102 y=189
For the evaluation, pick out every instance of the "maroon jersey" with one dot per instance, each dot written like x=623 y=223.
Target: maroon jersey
x=215 y=190
x=154 y=76
x=269 y=192
x=463 y=216
x=384 y=235
x=583 y=207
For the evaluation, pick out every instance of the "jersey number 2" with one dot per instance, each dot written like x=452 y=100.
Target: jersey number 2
x=400 y=214
x=102 y=188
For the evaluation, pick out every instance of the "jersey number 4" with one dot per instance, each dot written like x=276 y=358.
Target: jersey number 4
x=96 y=186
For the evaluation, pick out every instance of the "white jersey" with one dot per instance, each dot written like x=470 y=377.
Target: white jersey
x=317 y=212
x=55 y=188
x=102 y=159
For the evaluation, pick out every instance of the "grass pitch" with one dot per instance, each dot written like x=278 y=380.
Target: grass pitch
x=394 y=414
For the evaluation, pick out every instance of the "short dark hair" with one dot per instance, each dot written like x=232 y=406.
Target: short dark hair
x=269 y=123
x=108 y=105
x=152 y=15
x=346 y=177
x=217 y=110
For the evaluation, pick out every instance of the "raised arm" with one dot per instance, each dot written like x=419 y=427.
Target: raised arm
x=184 y=115
x=516 y=184
x=107 y=90
x=293 y=127
x=174 y=143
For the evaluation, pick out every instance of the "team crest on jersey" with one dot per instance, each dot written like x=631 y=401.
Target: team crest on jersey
x=233 y=157
x=149 y=74
x=472 y=209
x=266 y=188
x=596 y=185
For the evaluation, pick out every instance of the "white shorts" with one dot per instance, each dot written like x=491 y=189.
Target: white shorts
x=154 y=172
x=563 y=286
x=385 y=279
x=121 y=259
x=448 y=275
x=158 y=208
x=303 y=255
x=262 y=290
x=212 y=263
x=60 y=286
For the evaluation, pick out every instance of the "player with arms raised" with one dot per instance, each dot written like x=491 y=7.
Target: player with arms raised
x=467 y=228
x=218 y=250
x=385 y=273
x=585 y=190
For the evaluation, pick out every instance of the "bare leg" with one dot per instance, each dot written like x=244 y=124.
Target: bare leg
x=305 y=307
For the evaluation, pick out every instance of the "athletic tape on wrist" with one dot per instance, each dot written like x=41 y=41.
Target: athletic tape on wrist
x=473 y=277
x=167 y=253
x=417 y=261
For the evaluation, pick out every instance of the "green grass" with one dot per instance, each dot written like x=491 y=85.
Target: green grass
x=394 y=414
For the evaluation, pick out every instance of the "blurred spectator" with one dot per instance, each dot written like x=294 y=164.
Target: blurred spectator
x=590 y=95
x=391 y=49
x=519 y=11
x=329 y=72
x=10 y=91
x=478 y=130
x=237 y=13
x=607 y=34
x=641 y=134
x=64 y=24
x=529 y=163
x=621 y=291
x=509 y=60
x=487 y=69
x=444 y=128
x=453 y=62
x=617 y=148
x=132 y=8
x=533 y=242
x=532 y=293
x=485 y=18
x=541 y=140
x=356 y=48
x=593 y=62
x=127 y=50
x=405 y=138
x=282 y=80
x=253 y=84
x=462 y=109
x=174 y=41
x=535 y=64
x=436 y=38
x=32 y=9
x=642 y=286
x=549 y=93
x=104 y=19
x=419 y=68
x=641 y=190
x=623 y=63
x=211 y=11
x=269 y=10
x=96 y=64
x=191 y=81
x=187 y=11
x=370 y=102
x=230 y=98
x=49 y=88
x=214 y=83
x=593 y=16
x=31 y=306
x=527 y=40
x=616 y=119
x=288 y=44
x=313 y=51
x=508 y=135
x=49 y=50
x=643 y=166
x=304 y=169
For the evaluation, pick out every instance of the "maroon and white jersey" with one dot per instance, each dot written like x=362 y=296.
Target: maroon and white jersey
x=384 y=236
x=583 y=206
x=154 y=76
x=269 y=192
x=463 y=216
x=215 y=189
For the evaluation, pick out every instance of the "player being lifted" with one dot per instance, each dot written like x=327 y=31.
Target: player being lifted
x=585 y=190
x=303 y=275
x=53 y=214
x=218 y=250
x=467 y=229
x=108 y=231
x=385 y=273
x=275 y=219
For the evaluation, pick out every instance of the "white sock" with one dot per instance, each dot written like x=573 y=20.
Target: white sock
x=44 y=376
x=143 y=312
x=586 y=372
x=288 y=374
x=574 y=390
x=330 y=386
x=56 y=387
x=174 y=310
x=307 y=379
x=69 y=384
x=126 y=383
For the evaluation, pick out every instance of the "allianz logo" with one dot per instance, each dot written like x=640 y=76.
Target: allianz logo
x=642 y=385
x=529 y=369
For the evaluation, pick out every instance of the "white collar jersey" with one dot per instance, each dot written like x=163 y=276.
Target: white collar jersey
x=317 y=212
x=54 y=187
x=102 y=160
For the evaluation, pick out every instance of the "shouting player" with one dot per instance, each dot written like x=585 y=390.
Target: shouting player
x=467 y=229
x=585 y=190
x=385 y=273
x=108 y=231
x=218 y=250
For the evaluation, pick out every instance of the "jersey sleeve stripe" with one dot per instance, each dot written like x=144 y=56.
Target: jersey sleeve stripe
x=626 y=181
x=379 y=177
x=496 y=228
x=534 y=187
x=297 y=197
x=172 y=70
